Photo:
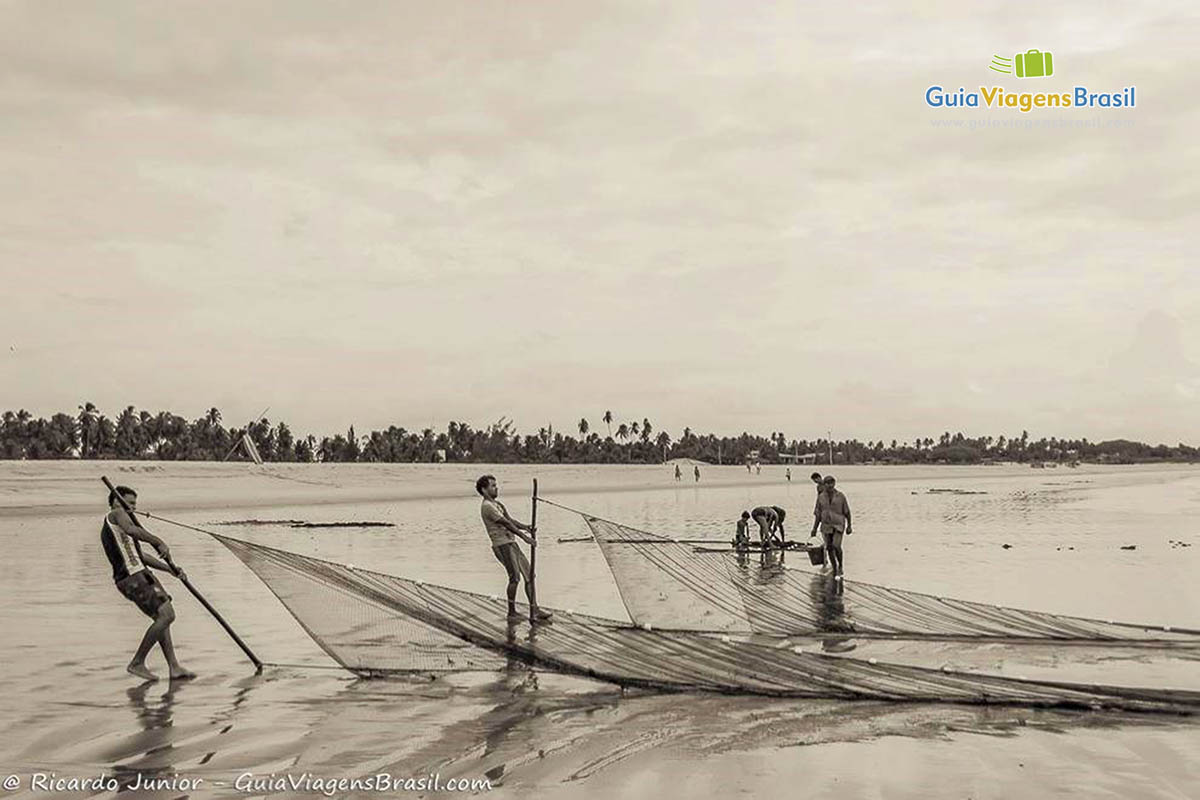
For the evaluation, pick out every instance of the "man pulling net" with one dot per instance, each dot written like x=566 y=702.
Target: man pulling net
x=501 y=529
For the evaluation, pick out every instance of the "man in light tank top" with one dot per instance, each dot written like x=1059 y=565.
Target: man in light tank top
x=501 y=529
x=121 y=537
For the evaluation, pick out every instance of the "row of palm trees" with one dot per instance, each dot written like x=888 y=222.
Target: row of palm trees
x=134 y=434
x=625 y=431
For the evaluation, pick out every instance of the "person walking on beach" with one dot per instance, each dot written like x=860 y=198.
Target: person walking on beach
x=121 y=537
x=832 y=515
x=696 y=472
x=789 y=474
x=501 y=529
x=678 y=474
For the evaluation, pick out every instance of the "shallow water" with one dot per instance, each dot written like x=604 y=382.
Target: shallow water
x=73 y=711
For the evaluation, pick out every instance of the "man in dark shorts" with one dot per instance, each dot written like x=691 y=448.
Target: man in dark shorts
x=780 y=516
x=832 y=515
x=767 y=519
x=501 y=528
x=121 y=537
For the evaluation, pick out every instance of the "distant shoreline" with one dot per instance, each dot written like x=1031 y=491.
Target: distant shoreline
x=72 y=487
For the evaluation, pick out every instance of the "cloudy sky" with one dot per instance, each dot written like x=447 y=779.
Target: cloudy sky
x=729 y=216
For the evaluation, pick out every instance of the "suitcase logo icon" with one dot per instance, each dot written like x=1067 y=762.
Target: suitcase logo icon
x=1030 y=64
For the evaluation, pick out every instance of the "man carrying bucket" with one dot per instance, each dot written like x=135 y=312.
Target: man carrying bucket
x=832 y=515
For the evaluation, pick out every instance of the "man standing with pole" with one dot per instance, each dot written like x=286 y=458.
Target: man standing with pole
x=121 y=537
x=501 y=529
x=118 y=549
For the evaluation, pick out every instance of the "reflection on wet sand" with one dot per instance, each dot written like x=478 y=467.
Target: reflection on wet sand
x=518 y=727
x=565 y=731
x=156 y=719
x=829 y=604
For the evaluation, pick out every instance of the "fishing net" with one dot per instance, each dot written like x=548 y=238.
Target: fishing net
x=668 y=584
x=374 y=624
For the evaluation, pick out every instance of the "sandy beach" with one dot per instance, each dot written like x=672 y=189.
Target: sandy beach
x=77 y=713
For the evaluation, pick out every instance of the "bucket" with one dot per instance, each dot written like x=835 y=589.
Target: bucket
x=817 y=555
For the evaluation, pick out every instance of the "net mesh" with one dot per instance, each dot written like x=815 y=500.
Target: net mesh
x=373 y=624
x=669 y=585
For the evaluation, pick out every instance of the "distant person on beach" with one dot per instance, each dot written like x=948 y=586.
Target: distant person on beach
x=747 y=467
x=767 y=518
x=741 y=539
x=678 y=473
x=696 y=471
x=501 y=528
x=121 y=537
x=832 y=515
x=758 y=469
x=789 y=474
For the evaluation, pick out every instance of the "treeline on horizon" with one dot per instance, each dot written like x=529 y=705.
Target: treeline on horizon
x=140 y=435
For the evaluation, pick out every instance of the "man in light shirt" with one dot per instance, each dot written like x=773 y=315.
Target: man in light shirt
x=832 y=515
x=504 y=531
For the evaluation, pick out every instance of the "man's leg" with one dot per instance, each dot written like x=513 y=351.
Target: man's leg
x=163 y=618
x=178 y=671
x=504 y=556
x=839 y=564
x=535 y=612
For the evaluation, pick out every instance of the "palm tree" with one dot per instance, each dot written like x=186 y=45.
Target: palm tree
x=622 y=431
x=608 y=418
x=646 y=430
x=87 y=423
x=583 y=428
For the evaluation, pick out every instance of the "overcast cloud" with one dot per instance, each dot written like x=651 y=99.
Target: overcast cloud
x=728 y=216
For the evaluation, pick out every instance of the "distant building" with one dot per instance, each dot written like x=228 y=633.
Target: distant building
x=798 y=458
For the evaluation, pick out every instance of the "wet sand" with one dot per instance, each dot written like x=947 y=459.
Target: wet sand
x=73 y=711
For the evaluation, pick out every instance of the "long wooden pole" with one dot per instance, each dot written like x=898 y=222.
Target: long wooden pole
x=258 y=665
x=533 y=557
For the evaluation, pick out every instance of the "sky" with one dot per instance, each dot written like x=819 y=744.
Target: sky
x=728 y=216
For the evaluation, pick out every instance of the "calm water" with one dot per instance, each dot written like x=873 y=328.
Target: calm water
x=72 y=710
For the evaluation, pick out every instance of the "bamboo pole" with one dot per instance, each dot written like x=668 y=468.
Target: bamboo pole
x=533 y=557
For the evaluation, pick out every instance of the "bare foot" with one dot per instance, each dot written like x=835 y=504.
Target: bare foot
x=182 y=674
x=140 y=671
